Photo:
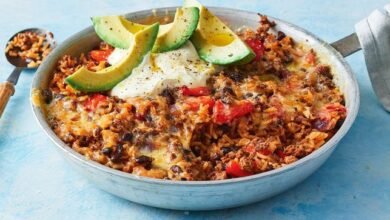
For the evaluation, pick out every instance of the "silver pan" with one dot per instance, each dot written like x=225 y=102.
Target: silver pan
x=205 y=195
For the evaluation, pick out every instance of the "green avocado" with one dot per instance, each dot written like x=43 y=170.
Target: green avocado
x=116 y=30
x=87 y=81
x=215 y=42
x=174 y=35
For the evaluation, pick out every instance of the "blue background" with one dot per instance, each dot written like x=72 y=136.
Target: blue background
x=35 y=182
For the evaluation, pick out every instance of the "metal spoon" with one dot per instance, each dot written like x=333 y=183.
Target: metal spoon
x=7 y=88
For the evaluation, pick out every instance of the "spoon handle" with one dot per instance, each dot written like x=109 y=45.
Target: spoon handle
x=6 y=91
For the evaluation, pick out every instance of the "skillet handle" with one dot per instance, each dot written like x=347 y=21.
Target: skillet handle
x=6 y=91
x=347 y=45
x=374 y=35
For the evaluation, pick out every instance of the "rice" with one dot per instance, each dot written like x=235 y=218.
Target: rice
x=29 y=46
x=285 y=106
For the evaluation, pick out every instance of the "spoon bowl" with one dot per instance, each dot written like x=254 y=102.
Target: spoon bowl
x=23 y=63
x=7 y=88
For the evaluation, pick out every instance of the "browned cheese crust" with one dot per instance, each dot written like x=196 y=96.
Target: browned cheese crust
x=297 y=108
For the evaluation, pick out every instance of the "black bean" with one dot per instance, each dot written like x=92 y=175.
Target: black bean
x=281 y=35
x=248 y=95
x=117 y=154
x=235 y=76
x=288 y=59
x=145 y=161
x=169 y=95
x=186 y=151
x=196 y=150
x=107 y=151
x=282 y=74
x=148 y=117
x=127 y=137
x=228 y=90
x=83 y=141
x=202 y=136
x=96 y=132
x=47 y=96
x=187 y=154
x=321 y=124
x=134 y=110
x=225 y=128
x=324 y=70
x=176 y=169
x=226 y=150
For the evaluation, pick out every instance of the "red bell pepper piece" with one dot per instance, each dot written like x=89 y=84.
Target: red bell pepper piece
x=93 y=101
x=225 y=113
x=252 y=149
x=257 y=46
x=197 y=91
x=221 y=113
x=233 y=169
x=100 y=55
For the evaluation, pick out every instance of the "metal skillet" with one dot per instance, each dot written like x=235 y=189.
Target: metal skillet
x=207 y=195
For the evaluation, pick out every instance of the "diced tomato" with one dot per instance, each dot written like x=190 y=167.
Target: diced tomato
x=249 y=149
x=311 y=58
x=233 y=169
x=257 y=46
x=93 y=101
x=195 y=102
x=100 y=55
x=197 y=91
x=225 y=113
x=265 y=152
x=280 y=153
x=252 y=149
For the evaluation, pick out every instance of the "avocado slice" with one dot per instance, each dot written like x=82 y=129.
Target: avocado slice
x=116 y=30
x=215 y=42
x=87 y=81
x=174 y=35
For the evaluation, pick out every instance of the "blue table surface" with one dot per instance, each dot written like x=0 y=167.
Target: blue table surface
x=36 y=183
